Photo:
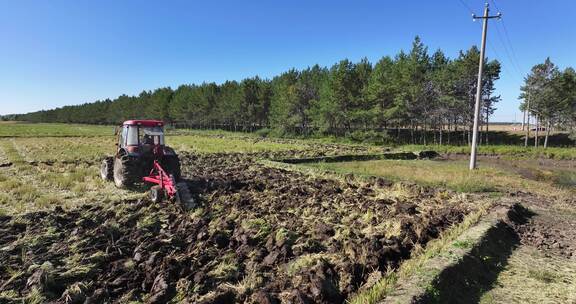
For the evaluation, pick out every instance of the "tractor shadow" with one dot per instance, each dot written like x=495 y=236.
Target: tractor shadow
x=467 y=280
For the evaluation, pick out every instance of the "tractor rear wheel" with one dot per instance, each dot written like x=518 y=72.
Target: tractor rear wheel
x=172 y=166
x=125 y=171
x=107 y=168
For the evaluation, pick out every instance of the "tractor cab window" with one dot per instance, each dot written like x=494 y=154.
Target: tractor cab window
x=123 y=136
x=139 y=135
x=131 y=135
x=151 y=136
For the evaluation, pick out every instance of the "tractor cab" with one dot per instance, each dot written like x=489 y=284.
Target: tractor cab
x=139 y=135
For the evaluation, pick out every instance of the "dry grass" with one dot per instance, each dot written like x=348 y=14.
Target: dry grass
x=27 y=187
x=429 y=173
x=452 y=175
x=73 y=176
x=218 y=144
x=10 y=152
x=306 y=261
x=534 y=277
x=64 y=149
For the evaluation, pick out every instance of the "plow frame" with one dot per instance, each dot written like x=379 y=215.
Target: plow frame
x=159 y=176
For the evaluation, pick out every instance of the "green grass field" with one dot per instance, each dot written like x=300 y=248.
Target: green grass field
x=20 y=129
x=94 y=148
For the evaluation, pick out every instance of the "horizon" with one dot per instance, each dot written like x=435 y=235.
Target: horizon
x=67 y=53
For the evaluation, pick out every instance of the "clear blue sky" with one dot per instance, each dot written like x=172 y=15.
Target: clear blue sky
x=55 y=53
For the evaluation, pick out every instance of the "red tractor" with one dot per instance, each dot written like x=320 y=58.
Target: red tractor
x=142 y=157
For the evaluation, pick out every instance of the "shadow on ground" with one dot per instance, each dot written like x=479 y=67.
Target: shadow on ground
x=467 y=280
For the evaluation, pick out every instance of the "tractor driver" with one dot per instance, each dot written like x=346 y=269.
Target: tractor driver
x=147 y=140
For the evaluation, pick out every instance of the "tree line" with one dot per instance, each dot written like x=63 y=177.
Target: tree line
x=549 y=96
x=412 y=97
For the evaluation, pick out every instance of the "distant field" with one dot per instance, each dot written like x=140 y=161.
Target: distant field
x=431 y=173
x=500 y=150
x=70 y=141
x=455 y=176
x=511 y=127
x=20 y=129
x=60 y=149
x=207 y=144
x=491 y=176
x=505 y=127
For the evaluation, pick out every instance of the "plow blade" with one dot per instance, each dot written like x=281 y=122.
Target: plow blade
x=184 y=197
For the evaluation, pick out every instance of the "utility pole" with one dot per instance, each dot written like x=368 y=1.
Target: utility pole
x=479 y=85
x=487 y=121
x=537 y=123
x=528 y=120
x=523 y=119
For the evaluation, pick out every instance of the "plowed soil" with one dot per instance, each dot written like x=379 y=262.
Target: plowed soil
x=261 y=235
x=550 y=230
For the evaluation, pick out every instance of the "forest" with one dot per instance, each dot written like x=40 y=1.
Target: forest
x=549 y=95
x=413 y=97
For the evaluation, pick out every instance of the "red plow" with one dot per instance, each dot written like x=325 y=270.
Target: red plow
x=166 y=186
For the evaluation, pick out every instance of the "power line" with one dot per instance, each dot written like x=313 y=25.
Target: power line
x=467 y=6
x=505 y=45
x=511 y=45
x=508 y=54
x=507 y=36
x=504 y=66
x=508 y=49
x=516 y=64
x=510 y=57
x=515 y=72
x=495 y=6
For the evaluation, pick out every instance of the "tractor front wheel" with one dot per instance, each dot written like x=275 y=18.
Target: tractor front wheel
x=107 y=168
